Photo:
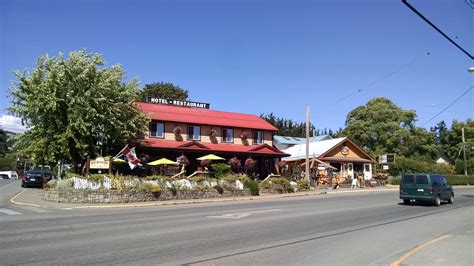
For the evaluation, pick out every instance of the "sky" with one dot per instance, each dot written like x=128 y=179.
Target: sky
x=261 y=56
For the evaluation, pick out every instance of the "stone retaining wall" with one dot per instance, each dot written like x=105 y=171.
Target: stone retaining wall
x=115 y=196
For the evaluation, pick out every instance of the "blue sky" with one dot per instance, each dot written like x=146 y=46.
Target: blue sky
x=262 y=56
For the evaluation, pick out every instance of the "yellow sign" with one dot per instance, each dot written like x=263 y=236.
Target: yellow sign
x=99 y=163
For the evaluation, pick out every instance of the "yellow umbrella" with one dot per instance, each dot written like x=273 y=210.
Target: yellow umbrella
x=117 y=160
x=161 y=161
x=211 y=157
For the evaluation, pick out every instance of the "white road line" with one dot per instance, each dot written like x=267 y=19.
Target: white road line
x=240 y=215
x=40 y=210
x=9 y=212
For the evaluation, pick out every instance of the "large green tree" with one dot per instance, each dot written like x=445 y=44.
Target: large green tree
x=163 y=90
x=74 y=106
x=380 y=127
x=3 y=142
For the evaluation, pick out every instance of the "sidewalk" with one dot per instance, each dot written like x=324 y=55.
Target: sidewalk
x=32 y=197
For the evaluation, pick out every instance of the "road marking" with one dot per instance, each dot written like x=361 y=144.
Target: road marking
x=240 y=215
x=35 y=209
x=416 y=249
x=9 y=212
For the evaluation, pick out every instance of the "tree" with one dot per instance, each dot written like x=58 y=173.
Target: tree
x=164 y=91
x=453 y=147
x=380 y=127
x=74 y=107
x=3 y=142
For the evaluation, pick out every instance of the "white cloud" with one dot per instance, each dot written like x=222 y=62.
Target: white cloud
x=11 y=124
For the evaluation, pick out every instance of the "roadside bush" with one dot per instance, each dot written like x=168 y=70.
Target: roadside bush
x=52 y=183
x=220 y=169
x=253 y=186
x=456 y=180
x=302 y=184
x=97 y=177
x=395 y=181
x=219 y=189
x=174 y=188
x=277 y=183
x=64 y=184
x=150 y=187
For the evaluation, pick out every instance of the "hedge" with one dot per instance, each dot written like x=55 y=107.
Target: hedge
x=460 y=179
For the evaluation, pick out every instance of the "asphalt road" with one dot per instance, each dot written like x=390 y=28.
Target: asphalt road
x=349 y=228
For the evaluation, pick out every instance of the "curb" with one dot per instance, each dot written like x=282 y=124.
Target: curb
x=166 y=203
x=13 y=201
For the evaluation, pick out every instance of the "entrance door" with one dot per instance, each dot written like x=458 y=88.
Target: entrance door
x=350 y=170
x=367 y=171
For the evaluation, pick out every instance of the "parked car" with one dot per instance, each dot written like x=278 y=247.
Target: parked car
x=425 y=187
x=10 y=174
x=4 y=176
x=36 y=177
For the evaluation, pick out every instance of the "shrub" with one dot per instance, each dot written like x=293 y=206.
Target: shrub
x=302 y=184
x=253 y=186
x=69 y=175
x=97 y=177
x=277 y=183
x=395 y=181
x=205 y=163
x=155 y=177
x=220 y=169
x=174 y=188
x=52 y=183
x=64 y=184
x=460 y=180
x=229 y=186
x=200 y=187
x=219 y=189
x=150 y=187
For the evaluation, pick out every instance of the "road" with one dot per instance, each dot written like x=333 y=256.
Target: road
x=350 y=228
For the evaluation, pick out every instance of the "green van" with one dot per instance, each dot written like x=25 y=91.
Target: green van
x=425 y=187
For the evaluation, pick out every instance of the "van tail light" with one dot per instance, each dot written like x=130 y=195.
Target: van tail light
x=430 y=190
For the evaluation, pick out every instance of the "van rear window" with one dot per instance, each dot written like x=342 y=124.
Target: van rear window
x=408 y=179
x=421 y=180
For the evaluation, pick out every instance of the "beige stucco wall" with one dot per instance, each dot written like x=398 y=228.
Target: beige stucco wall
x=205 y=136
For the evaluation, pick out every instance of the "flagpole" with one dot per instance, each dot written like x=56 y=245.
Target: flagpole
x=120 y=152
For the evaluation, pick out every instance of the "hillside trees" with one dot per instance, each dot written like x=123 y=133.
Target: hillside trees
x=73 y=107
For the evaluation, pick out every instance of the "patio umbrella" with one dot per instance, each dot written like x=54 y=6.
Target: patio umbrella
x=161 y=161
x=117 y=160
x=210 y=157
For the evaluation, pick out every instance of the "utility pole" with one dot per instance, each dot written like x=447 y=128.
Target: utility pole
x=307 y=145
x=464 y=151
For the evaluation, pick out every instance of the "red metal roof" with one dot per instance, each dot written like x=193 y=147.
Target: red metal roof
x=263 y=149
x=204 y=116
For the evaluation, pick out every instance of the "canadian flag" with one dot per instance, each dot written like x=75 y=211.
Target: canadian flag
x=130 y=156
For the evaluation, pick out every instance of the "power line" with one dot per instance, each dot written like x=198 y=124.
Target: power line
x=436 y=28
x=380 y=79
x=449 y=105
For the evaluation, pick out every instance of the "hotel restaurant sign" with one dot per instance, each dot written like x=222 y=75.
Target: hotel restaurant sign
x=179 y=103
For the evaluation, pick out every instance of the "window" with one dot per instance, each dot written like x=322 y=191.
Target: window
x=194 y=133
x=227 y=135
x=367 y=167
x=421 y=180
x=157 y=130
x=408 y=179
x=257 y=137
